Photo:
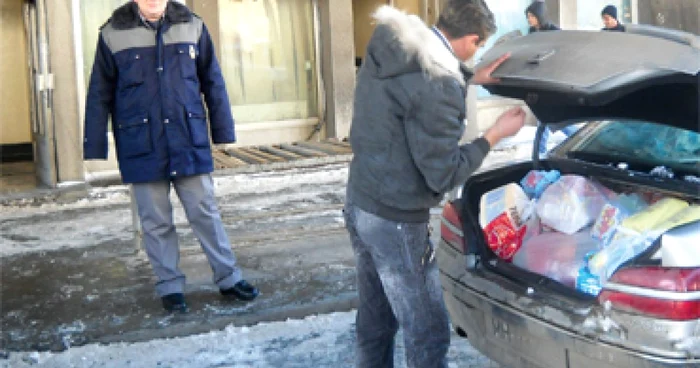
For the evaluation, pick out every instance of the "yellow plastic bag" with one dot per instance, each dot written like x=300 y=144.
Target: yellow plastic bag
x=652 y=217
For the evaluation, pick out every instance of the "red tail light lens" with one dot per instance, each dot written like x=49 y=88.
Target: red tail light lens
x=451 y=228
x=659 y=278
x=668 y=293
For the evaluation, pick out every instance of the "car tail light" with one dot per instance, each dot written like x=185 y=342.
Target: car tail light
x=451 y=228
x=668 y=293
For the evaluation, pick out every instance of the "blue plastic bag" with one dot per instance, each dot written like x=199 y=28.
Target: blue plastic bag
x=536 y=181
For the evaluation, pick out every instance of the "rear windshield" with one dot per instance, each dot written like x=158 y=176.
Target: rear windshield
x=642 y=144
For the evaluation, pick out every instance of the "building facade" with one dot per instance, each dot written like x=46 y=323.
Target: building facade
x=289 y=66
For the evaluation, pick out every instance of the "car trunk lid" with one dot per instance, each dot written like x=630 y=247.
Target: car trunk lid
x=572 y=76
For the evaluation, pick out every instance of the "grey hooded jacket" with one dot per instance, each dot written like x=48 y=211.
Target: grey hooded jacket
x=407 y=122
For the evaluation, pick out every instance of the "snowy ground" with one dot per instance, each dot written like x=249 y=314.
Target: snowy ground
x=317 y=341
x=255 y=207
x=248 y=202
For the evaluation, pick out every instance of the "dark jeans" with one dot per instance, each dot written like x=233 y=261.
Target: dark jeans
x=399 y=286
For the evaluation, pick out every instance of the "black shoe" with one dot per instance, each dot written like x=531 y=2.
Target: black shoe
x=242 y=290
x=175 y=303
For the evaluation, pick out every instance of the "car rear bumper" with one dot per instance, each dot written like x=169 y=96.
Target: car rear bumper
x=515 y=340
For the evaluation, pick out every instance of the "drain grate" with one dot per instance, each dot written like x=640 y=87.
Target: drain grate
x=259 y=155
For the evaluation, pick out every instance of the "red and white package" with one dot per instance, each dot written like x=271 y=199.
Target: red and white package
x=504 y=237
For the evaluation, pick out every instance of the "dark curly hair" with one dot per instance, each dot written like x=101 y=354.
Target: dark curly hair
x=459 y=18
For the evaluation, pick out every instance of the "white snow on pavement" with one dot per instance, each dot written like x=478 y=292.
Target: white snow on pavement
x=235 y=184
x=316 y=341
x=238 y=194
x=89 y=225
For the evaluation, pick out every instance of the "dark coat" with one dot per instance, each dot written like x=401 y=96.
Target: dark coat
x=619 y=28
x=539 y=10
x=150 y=83
x=408 y=119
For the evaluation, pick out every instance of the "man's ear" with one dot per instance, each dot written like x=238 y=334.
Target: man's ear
x=472 y=39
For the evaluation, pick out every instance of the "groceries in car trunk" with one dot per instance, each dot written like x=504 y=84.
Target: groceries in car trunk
x=576 y=231
x=637 y=233
x=571 y=203
x=556 y=255
x=536 y=181
x=507 y=219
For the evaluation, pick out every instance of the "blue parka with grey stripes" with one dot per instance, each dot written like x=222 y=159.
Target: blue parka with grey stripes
x=150 y=81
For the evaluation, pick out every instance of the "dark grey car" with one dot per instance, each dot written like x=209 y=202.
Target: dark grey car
x=644 y=86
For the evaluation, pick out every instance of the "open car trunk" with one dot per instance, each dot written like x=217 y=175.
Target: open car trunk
x=648 y=300
x=544 y=282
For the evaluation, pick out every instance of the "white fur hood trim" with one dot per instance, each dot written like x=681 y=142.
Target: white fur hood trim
x=421 y=42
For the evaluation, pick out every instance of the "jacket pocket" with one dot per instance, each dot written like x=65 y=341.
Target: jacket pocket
x=187 y=58
x=131 y=70
x=134 y=137
x=197 y=124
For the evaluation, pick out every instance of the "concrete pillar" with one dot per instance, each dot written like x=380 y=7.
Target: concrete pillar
x=68 y=127
x=634 y=9
x=337 y=64
x=568 y=14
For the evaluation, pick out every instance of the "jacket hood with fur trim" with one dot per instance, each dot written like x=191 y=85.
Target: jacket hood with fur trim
x=402 y=44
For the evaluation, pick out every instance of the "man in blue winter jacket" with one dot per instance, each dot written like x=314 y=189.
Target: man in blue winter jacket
x=154 y=61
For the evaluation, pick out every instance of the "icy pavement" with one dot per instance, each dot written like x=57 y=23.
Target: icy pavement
x=316 y=341
x=71 y=275
x=307 y=198
x=248 y=203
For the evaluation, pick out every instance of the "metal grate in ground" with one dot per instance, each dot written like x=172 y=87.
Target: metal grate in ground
x=279 y=153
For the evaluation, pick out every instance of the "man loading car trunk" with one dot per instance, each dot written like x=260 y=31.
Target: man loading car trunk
x=408 y=119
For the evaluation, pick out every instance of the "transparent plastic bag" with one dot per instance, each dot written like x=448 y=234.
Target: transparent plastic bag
x=571 y=204
x=637 y=233
x=556 y=255
x=613 y=213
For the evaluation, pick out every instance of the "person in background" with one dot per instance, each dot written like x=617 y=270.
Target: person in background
x=609 y=15
x=539 y=22
x=537 y=18
x=154 y=62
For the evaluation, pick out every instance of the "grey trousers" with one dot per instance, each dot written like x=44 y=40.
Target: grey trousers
x=399 y=287
x=196 y=194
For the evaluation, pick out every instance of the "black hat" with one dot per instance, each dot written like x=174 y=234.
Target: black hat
x=610 y=10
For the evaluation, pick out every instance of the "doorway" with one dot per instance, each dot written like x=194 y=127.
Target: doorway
x=28 y=154
x=364 y=25
x=15 y=122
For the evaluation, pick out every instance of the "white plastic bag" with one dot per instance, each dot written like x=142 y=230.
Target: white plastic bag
x=571 y=204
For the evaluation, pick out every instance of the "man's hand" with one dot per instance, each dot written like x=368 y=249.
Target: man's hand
x=483 y=75
x=508 y=124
